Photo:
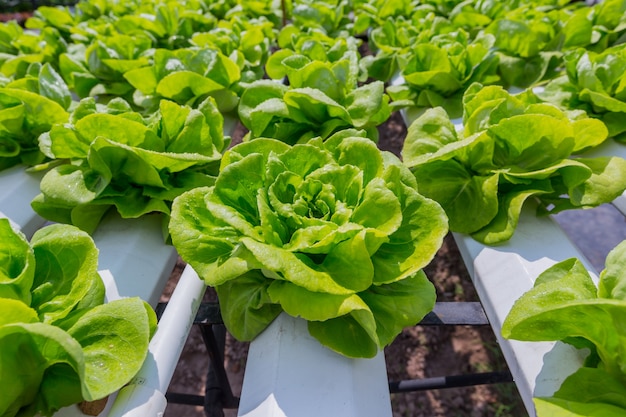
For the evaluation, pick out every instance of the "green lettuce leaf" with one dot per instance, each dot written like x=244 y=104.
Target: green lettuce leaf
x=45 y=81
x=570 y=408
x=66 y=275
x=17 y=264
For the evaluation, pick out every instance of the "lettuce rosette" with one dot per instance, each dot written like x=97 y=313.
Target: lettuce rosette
x=439 y=71
x=20 y=48
x=528 y=40
x=186 y=76
x=169 y=24
x=246 y=41
x=475 y=15
x=322 y=98
x=392 y=40
x=23 y=117
x=60 y=343
x=323 y=95
x=330 y=16
x=109 y=157
x=596 y=27
x=371 y=14
x=566 y=305
x=96 y=69
x=596 y=83
x=313 y=44
x=334 y=232
x=512 y=149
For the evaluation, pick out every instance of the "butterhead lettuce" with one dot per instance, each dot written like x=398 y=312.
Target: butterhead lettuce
x=23 y=117
x=511 y=149
x=596 y=83
x=334 y=232
x=566 y=305
x=60 y=343
x=186 y=76
x=527 y=44
x=440 y=70
x=109 y=156
x=323 y=97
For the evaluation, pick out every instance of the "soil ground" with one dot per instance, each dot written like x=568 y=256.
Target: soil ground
x=418 y=352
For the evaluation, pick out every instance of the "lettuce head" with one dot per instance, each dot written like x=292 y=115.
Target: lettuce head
x=60 y=343
x=511 y=149
x=596 y=83
x=334 y=232
x=110 y=157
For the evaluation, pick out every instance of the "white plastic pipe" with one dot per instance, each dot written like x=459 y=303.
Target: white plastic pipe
x=501 y=274
x=290 y=374
x=17 y=190
x=134 y=252
x=144 y=396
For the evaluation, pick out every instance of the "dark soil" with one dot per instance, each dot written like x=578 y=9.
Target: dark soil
x=418 y=352
x=19 y=17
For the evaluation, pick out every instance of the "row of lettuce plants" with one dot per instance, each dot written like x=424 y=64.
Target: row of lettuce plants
x=507 y=43
x=68 y=110
x=565 y=304
x=122 y=104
